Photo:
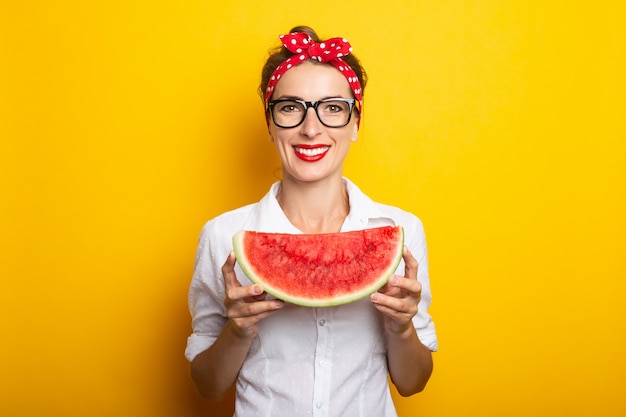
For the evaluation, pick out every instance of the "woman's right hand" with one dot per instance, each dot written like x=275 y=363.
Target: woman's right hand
x=246 y=305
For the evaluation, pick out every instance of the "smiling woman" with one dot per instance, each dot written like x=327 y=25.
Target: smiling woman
x=239 y=333
x=123 y=125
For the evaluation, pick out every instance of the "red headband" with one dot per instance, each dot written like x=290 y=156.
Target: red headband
x=329 y=51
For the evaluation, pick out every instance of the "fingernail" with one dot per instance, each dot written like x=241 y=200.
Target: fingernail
x=374 y=297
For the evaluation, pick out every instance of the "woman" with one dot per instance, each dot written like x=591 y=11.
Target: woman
x=296 y=361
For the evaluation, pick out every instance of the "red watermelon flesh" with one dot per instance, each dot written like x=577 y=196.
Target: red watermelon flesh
x=320 y=270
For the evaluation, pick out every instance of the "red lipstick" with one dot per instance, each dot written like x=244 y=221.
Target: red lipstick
x=311 y=153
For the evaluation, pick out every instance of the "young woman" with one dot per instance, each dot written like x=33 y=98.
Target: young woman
x=294 y=361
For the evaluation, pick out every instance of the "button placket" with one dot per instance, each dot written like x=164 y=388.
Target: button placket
x=321 y=392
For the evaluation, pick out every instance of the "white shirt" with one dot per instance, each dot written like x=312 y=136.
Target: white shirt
x=321 y=362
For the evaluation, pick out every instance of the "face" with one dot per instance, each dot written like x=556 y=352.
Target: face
x=311 y=151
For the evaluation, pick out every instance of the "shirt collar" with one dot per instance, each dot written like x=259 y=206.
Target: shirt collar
x=267 y=215
x=364 y=212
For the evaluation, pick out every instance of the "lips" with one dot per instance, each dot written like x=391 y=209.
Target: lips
x=311 y=153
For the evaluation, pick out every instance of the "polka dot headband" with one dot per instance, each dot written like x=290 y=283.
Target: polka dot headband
x=329 y=51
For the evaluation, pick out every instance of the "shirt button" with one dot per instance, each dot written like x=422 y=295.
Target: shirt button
x=322 y=322
x=318 y=405
x=321 y=363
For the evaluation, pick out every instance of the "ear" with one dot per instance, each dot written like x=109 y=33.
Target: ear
x=355 y=132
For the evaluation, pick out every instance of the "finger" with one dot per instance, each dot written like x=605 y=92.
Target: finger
x=233 y=288
x=393 y=306
x=257 y=309
x=407 y=285
x=248 y=293
x=228 y=271
x=397 y=322
x=255 y=293
x=231 y=281
x=410 y=264
x=389 y=289
x=245 y=317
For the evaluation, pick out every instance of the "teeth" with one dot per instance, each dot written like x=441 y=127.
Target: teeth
x=312 y=152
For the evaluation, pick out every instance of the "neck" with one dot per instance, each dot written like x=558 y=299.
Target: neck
x=315 y=207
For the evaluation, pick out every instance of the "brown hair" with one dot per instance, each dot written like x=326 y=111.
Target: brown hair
x=280 y=53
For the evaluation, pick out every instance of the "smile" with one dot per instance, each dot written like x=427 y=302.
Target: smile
x=311 y=153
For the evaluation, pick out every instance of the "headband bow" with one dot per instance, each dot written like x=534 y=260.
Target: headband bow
x=298 y=42
x=303 y=48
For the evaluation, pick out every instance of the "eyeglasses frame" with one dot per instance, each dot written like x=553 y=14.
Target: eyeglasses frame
x=353 y=103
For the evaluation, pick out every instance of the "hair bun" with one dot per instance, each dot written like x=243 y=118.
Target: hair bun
x=308 y=30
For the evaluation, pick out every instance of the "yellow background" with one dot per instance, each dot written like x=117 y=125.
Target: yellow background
x=127 y=124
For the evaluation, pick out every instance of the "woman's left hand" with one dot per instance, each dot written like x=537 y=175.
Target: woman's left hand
x=398 y=299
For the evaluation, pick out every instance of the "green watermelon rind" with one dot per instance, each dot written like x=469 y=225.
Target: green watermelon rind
x=248 y=270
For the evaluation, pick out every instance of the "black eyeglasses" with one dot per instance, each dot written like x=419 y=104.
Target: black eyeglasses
x=332 y=112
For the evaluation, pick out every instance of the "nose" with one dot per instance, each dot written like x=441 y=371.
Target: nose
x=311 y=126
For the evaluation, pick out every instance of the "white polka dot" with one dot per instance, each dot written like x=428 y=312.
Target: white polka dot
x=293 y=41
x=302 y=57
x=322 y=45
x=299 y=50
x=339 y=55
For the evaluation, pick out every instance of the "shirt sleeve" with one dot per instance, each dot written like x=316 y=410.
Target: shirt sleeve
x=206 y=294
x=424 y=325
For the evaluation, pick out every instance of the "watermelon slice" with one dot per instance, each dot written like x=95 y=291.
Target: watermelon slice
x=320 y=270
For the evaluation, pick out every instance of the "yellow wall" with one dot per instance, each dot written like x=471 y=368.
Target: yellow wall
x=126 y=125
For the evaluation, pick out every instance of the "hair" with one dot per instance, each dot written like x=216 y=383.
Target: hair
x=279 y=54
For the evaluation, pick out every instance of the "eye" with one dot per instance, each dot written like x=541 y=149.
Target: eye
x=335 y=106
x=289 y=107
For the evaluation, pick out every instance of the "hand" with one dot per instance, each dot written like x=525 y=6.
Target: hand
x=398 y=299
x=246 y=306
